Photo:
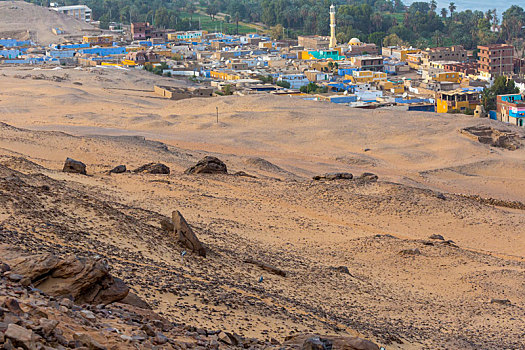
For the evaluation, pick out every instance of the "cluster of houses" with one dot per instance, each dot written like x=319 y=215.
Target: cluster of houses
x=443 y=79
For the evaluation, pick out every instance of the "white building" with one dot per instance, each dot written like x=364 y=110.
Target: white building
x=80 y=12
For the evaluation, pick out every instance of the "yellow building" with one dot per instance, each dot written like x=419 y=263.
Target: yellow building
x=414 y=60
x=222 y=75
x=456 y=100
x=396 y=87
x=453 y=77
x=366 y=76
x=100 y=40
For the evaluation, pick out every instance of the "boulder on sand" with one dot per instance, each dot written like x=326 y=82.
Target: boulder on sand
x=208 y=165
x=186 y=235
x=153 y=168
x=119 y=169
x=86 y=280
x=74 y=166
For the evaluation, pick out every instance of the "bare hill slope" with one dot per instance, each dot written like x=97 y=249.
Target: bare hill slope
x=24 y=21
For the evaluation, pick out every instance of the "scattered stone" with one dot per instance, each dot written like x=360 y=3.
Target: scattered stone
x=334 y=176
x=119 y=169
x=441 y=196
x=153 y=168
x=20 y=336
x=500 y=301
x=413 y=251
x=160 y=339
x=74 y=166
x=88 y=342
x=186 y=235
x=48 y=326
x=438 y=237
x=208 y=165
x=266 y=267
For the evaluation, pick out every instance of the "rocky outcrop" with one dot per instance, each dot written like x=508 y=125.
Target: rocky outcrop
x=334 y=176
x=208 y=165
x=84 y=280
x=74 y=166
x=153 y=168
x=186 y=235
x=317 y=342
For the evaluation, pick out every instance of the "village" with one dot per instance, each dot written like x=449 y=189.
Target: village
x=357 y=74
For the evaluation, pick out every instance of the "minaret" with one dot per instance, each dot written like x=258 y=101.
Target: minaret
x=333 y=40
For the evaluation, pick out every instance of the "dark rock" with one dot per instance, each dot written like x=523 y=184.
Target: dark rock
x=301 y=341
x=343 y=269
x=441 y=196
x=208 y=165
x=153 y=168
x=316 y=343
x=334 y=176
x=266 y=267
x=413 y=251
x=185 y=234
x=134 y=300
x=74 y=166
x=4 y=268
x=242 y=173
x=438 y=237
x=500 y=301
x=368 y=177
x=13 y=306
x=167 y=225
x=15 y=277
x=119 y=169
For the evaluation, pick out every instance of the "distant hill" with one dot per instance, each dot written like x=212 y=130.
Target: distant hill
x=23 y=21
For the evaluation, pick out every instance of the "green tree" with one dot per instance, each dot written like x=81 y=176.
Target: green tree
x=502 y=86
x=392 y=40
x=276 y=32
x=513 y=23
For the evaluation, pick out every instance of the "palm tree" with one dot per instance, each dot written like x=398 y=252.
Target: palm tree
x=433 y=5
x=451 y=8
x=444 y=12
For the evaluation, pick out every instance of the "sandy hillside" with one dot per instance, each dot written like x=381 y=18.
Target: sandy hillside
x=357 y=255
x=25 y=21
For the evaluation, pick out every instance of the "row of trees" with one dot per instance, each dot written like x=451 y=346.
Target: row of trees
x=421 y=24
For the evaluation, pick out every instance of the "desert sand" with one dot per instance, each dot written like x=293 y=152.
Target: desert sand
x=447 y=295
